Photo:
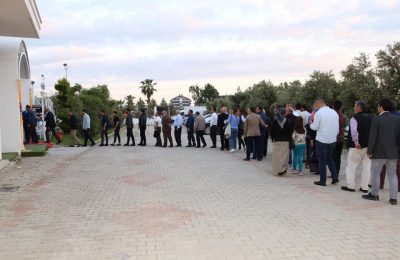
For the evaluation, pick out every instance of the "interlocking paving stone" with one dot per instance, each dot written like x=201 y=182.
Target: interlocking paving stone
x=183 y=203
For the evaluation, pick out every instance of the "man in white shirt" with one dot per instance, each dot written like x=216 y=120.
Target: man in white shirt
x=178 y=128
x=326 y=123
x=157 y=129
x=213 y=127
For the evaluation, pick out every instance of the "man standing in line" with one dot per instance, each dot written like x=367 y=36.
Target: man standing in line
x=129 y=128
x=86 y=128
x=32 y=124
x=326 y=123
x=166 y=129
x=383 y=149
x=357 y=142
x=104 y=128
x=383 y=172
x=252 y=133
x=190 y=129
x=213 y=127
x=178 y=128
x=222 y=117
x=73 y=125
x=50 y=125
x=337 y=152
x=117 y=127
x=26 y=123
x=142 y=127
x=157 y=129
x=199 y=127
x=264 y=133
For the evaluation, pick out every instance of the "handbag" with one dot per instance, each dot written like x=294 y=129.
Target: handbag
x=227 y=132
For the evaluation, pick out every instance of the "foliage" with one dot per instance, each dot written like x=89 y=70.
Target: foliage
x=148 y=89
x=202 y=96
x=130 y=104
x=141 y=104
x=388 y=70
x=77 y=98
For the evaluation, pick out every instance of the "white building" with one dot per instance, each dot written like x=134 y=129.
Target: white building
x=18 y=18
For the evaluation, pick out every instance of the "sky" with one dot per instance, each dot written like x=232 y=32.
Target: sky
x=179 y=43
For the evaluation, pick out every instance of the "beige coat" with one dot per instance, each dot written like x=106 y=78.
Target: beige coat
x=199 y=123
x=252 y=125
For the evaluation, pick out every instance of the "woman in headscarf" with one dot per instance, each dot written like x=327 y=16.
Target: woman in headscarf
x=280 y=135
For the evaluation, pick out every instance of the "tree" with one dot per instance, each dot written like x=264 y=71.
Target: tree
x=388 y=70
x=203 y=95
x=320 y=85
x=196 y=92
x=130 y=104
x=209 y=93
x=163 y=103
x=148 y=89
x=141 y=104
x=262 y=93
x=359 y=83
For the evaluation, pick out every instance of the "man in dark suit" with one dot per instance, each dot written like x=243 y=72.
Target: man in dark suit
x=190 y=129
x=50 y=125
x=222 y=117
x=26 y=123
x=383 y=149
x=142 y=127
x=104 y=128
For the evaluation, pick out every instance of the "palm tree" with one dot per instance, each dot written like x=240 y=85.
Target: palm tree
x=148 y=89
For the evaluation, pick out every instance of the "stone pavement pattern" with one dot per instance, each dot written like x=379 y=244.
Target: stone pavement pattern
x=183 y=203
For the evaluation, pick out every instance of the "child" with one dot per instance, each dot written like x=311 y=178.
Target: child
x=299 y=139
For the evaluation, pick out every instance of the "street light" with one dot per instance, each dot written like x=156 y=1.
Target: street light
x=66 y=70
x=42 y=93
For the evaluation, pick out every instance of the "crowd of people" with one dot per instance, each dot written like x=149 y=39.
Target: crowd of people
x=300 y=138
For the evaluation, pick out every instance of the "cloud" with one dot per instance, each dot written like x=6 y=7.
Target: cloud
x=179 y=43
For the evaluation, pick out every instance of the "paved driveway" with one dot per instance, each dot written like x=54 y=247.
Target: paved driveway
x=183 y=203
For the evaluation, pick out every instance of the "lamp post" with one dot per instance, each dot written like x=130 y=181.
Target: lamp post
x=42 y=93
x=66 y=70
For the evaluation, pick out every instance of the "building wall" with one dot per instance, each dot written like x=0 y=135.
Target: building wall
x=10 y=79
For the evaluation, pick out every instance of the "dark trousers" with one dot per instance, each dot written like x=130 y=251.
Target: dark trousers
x=178 y=135
x=168 y=137
x=259 y=148
x=53 y=132
x=142 y=135
x=324 y=152
x=32 y=135
x=337 y=156
x=308 y=150
x=224 y=141
x=117 y=136
x=383 y=175
x=252 y=143
x=129 y=135
x=26 y=133
x=200 y=136
x=240 y=139
x=104 y=135
x=158 y=136
x=86 y=134
x=266 y=138
x=191 y=140
x=213 y=135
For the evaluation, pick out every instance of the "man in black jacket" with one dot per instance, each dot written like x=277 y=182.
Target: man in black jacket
x=383 y=149
x=222 y=117
x=50 y=125
x=104 y=128
x=73 y=125
x=142 y=127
